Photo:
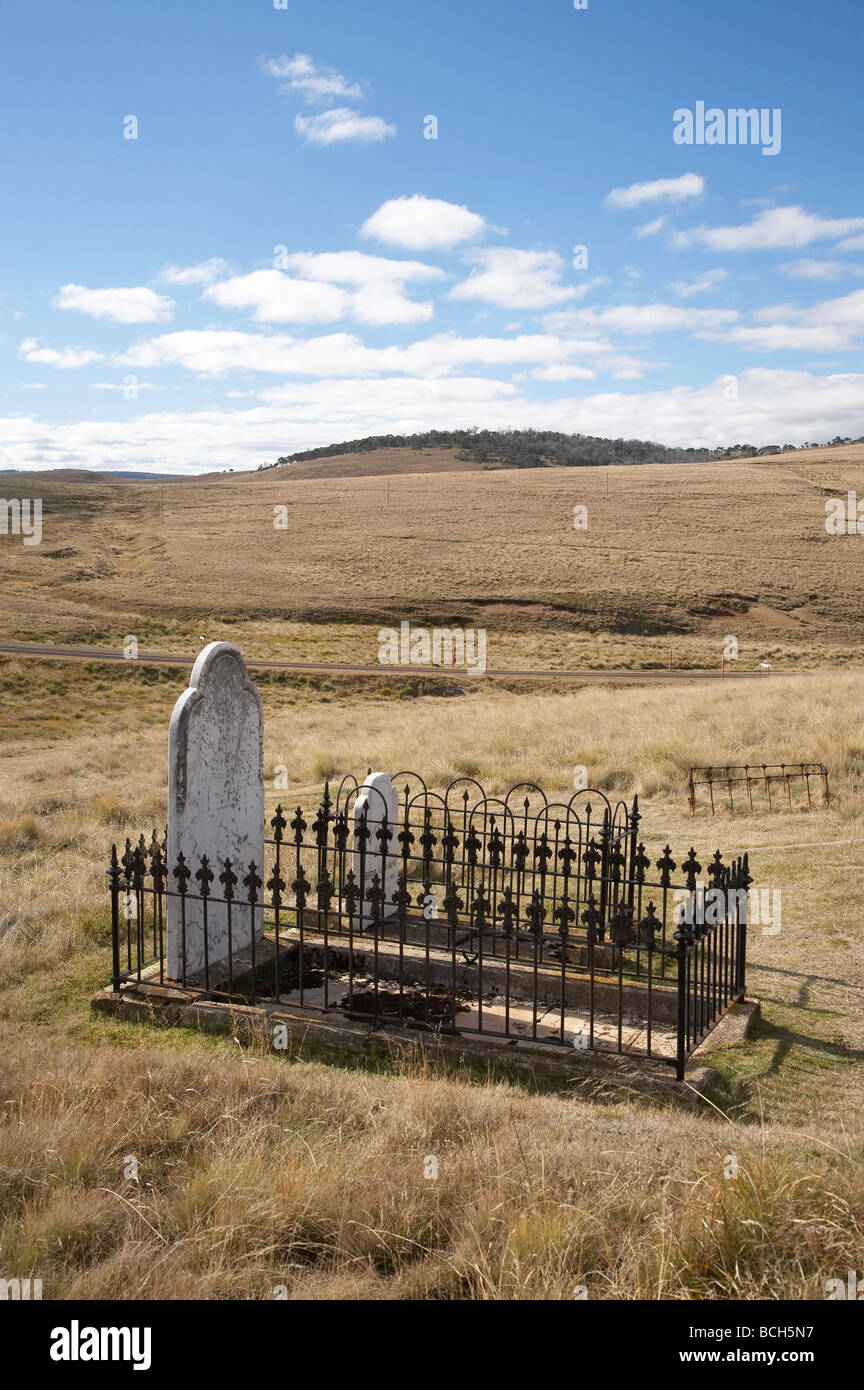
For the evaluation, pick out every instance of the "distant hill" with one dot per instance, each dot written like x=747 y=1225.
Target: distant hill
x=365 y=464
x=688 y=552
x=467 y=450
x=83 y=475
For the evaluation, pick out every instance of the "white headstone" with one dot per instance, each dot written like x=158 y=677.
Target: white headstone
x=376 y=799
x=215 y=805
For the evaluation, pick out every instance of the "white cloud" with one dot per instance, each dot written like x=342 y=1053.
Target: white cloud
x=772 y=313
x=852 y=243
x=657 y=191
x=514 y=279
x=848 y=309
x=821 y=270
x=700 y=284
x=135 y=304
x=835 y=325
x=609 y=362
x=562 y=371
x=358 y=268
x=201 y=274
x=68 y=359
x=377 y=297
x=651 y=228
x=121 y=386
x=278 y=298
x=212 y=352
x=641 y=319
x=624 y=368
x=444 y=351
x=378 y=305
x=423 y=224
x=771 y=407
x=773 y=229
x=313 y=81
x=412 y=397
x=340 y=124
x=776 y=337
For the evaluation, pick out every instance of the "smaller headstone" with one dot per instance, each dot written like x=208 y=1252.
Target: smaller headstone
x=376 y=800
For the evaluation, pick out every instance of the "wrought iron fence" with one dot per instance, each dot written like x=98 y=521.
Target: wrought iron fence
x=791 y=783
x=509 y=918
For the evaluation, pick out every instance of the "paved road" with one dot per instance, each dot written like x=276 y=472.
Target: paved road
x=60 y=653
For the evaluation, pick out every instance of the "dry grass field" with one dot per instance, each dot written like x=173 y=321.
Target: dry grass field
x=305 y=1170
x=675 y=559
x=380 y=463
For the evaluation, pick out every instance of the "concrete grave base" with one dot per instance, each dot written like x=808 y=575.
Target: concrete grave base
x=333 y=1027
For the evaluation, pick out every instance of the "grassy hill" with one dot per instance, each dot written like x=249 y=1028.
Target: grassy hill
x=373 y=459
x=74 y=475
x=528 y=448
x=378 y=462
x=677 y=556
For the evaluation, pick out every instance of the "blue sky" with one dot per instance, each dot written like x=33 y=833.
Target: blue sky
x=281 y=259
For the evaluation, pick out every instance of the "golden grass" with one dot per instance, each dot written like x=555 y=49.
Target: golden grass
x=677 y=556
x=258 y=1171
x=379 y=463
x=254 y=1174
